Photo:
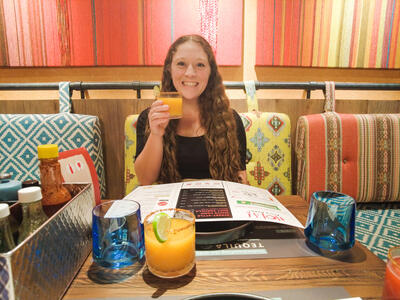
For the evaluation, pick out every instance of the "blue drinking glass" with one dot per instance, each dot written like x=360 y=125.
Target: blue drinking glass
x=331 y=221
x=118 y=236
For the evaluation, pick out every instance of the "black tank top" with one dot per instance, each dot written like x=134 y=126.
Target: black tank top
x=192 y=156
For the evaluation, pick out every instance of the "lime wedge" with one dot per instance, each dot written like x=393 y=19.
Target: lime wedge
x=161 y=225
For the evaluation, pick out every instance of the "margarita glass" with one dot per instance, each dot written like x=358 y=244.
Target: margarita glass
x=175 y=256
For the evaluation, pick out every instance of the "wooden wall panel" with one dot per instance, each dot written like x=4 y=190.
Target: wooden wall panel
x=112 y=115
x=29 y=107
x=113 y=112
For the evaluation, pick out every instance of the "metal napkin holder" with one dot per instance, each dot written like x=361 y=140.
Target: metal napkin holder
x=44 y=265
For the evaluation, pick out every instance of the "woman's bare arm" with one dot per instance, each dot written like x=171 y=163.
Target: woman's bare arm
x=148 y=163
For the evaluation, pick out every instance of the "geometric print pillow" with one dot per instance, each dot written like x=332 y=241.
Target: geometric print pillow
x=20 y=134
x=268 y=162
x=130 y=177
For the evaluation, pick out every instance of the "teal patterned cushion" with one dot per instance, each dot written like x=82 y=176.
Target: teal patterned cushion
x=20 y=134
x=377 y=227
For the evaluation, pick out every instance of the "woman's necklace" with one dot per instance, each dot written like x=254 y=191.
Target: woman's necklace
x=190 y=124
x=199 y=131
x=190 y=129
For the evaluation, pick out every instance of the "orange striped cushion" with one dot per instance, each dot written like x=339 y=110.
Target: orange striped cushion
x=355 y=154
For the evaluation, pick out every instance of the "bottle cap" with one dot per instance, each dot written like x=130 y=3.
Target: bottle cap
x=5 y=176
x=47 y=151
x=30 y=182
x=29 y=194
x=4 y=210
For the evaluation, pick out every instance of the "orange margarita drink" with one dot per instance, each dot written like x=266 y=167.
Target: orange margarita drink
x=174 y=254
x=174 y=101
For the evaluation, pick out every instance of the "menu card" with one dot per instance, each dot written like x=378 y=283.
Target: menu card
x=214 y=200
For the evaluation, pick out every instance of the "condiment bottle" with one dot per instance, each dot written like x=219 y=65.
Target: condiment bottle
x=30 y=182
x=33 y=215
x=54 y=192
x=6 y=239
x=8 y=187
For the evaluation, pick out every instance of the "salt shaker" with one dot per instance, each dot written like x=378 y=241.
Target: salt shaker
x=6 y=238
x=33 y=215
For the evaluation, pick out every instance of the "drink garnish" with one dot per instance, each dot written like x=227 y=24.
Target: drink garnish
x=161 y=226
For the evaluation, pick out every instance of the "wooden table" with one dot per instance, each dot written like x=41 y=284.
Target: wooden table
x=361 y=275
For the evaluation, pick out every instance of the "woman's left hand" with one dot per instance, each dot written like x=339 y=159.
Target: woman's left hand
x=243 y=177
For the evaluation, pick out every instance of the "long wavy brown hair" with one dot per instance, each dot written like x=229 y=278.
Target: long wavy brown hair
x=216 y=117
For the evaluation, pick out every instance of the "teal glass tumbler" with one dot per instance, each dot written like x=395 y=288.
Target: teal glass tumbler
x=331 y=221
x=118 y=236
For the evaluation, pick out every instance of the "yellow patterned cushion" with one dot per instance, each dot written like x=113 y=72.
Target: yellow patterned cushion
x=130 y=152
x=268 y=151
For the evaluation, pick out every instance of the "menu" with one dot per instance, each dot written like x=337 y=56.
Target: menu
x=214 y=200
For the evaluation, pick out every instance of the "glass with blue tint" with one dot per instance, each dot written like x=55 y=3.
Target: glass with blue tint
x=118 y=236
x=331 y=221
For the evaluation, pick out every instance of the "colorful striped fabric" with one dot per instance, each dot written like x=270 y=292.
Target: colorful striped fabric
x=118 y=32
x=328 y=33
x=165 y=20
x=358 y=155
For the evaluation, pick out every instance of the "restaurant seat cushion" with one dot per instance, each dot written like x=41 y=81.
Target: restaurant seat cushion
x=359 y=155
x=130 y=178
x=356 y=154
x=20 y=134
x=268 y=162
x=268 y=151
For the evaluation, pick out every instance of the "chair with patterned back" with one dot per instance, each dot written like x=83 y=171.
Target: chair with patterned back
x=268 y=146
x=268 y=161
x=130 y=178
x=20 y=134
x=356 y=154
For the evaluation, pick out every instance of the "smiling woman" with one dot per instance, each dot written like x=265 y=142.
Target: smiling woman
x=209 y=140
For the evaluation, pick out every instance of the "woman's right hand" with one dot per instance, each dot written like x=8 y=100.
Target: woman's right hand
x=158 y=118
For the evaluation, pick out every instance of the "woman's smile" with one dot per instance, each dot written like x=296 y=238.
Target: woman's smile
x=190 y=83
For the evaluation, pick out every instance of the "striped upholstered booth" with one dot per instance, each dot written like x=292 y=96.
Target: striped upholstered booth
x=359 y=155
x=356 y=154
